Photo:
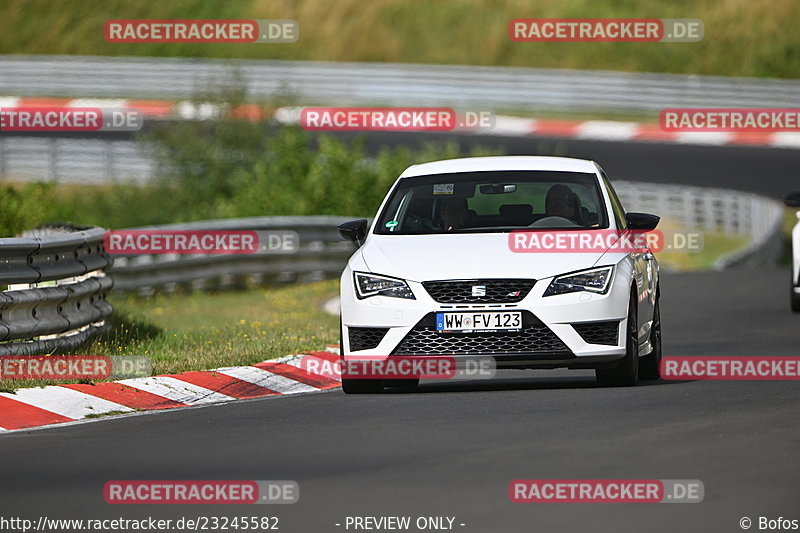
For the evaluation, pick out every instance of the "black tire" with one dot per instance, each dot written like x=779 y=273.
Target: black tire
x=795 y=300
x=626 y=373
x=362 y=386
x=402 y=383
x=650 y=364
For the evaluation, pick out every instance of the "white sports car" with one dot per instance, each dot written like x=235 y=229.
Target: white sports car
x=436 y=275
x=793 y=200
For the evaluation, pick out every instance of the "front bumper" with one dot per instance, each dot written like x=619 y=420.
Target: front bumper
x=558 y=331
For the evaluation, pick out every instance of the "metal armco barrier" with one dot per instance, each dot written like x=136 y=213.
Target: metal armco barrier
x=62 y=159
x=755 y=217
x=322 y=254
x=55 y=288
x=389 y=83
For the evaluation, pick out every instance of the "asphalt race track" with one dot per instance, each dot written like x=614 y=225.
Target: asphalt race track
x=451 y=449
x=769 y=171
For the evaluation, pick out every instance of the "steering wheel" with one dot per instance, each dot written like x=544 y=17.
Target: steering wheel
x=554 y=222
x=421 y=222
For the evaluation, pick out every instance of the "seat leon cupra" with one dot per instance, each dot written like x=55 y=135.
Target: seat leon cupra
x=438 y=272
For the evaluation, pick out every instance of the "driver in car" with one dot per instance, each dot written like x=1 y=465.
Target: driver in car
x=561 y=201
x=454 y=213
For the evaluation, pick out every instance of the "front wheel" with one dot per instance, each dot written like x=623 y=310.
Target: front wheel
x=795 y=299
x=407 y=384
x=626 y=373
x=650 y=364
x=362 y=386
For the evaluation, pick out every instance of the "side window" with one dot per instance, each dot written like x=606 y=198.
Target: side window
x=616 y=205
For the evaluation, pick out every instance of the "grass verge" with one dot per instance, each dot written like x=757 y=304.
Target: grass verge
x=200 y=331
x=715 y=245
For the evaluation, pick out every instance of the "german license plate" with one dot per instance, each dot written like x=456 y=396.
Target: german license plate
x=491 y=321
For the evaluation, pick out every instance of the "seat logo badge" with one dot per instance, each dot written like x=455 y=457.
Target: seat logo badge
x=479 y=290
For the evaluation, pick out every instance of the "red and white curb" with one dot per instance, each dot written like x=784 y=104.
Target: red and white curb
x=603 y=130
x=41 y=406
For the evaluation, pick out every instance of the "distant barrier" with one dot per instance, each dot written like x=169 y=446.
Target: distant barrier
x=390 y=84
x=755 y=217
x=322 y=254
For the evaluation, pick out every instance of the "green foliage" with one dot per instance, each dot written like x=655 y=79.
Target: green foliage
x=230 y=167
x=23 y=208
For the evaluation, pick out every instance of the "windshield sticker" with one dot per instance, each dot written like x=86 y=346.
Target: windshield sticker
x=443 y=188
x=391 y=223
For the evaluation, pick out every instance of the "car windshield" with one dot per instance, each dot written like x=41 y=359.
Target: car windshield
x=481 y=202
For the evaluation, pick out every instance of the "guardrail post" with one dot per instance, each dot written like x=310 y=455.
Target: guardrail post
x=108 y=151
x=52 y=167
x=2 y=157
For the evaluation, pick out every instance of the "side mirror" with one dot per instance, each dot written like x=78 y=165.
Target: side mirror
x=642 y=221
x=792 y=200
x=355 y=231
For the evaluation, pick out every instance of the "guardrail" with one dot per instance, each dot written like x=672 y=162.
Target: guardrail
x=755 y=217
x=55 y=288
x=68 y=159
x=322 y=254
x=492 y=88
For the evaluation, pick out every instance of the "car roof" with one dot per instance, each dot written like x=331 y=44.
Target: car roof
x=484 y=164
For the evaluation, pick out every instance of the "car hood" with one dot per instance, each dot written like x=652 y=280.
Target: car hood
x=466 y=256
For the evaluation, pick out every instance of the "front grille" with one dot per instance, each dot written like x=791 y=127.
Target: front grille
x=365 y=338
x=496 y=290
x=598 y=332
x=535 y=337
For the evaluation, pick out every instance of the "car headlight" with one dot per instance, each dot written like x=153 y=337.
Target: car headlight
x=595 y=280
x=374 y=285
